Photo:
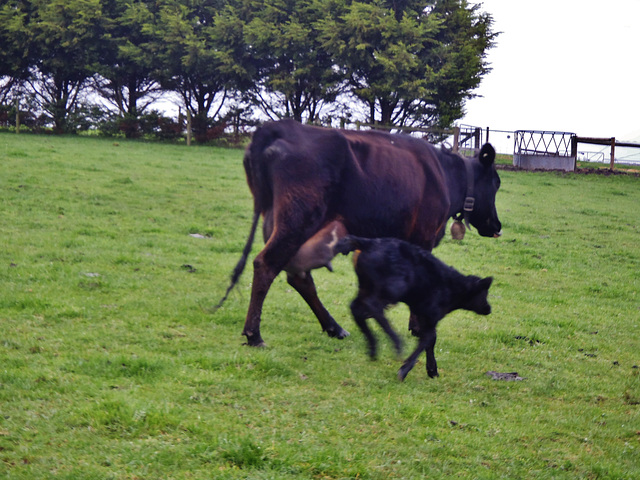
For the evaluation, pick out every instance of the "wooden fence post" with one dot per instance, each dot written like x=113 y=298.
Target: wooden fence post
x=613 y=152
x=17 y=115
x=456 y=138
x=188 y=127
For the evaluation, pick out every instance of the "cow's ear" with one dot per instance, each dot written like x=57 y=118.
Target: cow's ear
x=487 y=155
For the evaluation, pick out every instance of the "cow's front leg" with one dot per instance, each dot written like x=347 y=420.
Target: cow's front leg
x=307 y=290
x=263 y=277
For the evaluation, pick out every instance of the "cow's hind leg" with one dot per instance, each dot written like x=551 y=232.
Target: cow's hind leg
x=307 y=290
x=279 y=248
x=263 y=276
x=281 y=245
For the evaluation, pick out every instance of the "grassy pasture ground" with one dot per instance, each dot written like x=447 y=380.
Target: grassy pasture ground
x=112 y=365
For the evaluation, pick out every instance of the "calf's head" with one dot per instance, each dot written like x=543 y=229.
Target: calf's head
x=475 y=298
x=484 y=216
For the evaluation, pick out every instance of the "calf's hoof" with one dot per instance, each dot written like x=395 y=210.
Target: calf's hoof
x=433 y=373
x=402 y=373
x=398 y=348
x=373 y=352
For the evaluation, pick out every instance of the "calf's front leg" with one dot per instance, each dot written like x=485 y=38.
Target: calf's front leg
x=386 y=326
x=427 y=342
x=432 y=366
x=410 y=362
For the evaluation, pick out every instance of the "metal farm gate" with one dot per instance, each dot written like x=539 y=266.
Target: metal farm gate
x=543 y=150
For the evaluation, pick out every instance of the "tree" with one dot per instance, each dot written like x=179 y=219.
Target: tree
x=66 y=36
x=295 y=75
x=459 y=60
x=124 y=76
x=15 y=44
x=399 y=56
x=198 y=46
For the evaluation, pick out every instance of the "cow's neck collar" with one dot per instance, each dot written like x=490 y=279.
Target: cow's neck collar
x=469 y=199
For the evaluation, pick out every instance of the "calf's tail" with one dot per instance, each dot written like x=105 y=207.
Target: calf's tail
x=350 y=243
x=237 y=271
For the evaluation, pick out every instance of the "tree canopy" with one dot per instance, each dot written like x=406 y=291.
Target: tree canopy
x=390 y=62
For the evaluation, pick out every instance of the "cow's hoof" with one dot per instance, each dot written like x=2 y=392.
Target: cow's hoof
x=339 y=334
x=433 y=374
x=254 y=341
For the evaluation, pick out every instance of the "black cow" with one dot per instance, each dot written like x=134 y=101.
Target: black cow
x=304 y=179
x=391 y=271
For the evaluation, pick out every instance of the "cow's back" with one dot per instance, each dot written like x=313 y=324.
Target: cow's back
x=287 y=158
x=379 y=184
x=394 y=187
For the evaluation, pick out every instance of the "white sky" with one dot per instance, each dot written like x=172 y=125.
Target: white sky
x=562 y=65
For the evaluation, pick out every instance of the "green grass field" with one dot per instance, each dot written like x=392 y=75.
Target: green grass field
x=113 y=366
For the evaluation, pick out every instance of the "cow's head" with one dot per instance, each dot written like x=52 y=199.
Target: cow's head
x=484 y=216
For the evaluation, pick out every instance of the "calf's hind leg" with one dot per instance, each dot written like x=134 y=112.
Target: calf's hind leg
x=361 y=311
x=384 y=323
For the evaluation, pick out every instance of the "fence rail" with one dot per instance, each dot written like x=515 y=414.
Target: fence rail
x=464 y=138
x=604 y=141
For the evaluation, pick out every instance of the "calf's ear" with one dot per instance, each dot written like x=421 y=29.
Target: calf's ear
x=485 y=283
x=487 y=155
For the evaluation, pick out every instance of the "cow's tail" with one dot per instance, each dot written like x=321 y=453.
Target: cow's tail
x=350 y=243
x=237 y=271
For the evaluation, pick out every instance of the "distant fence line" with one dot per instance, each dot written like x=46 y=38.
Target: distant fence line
x=463 y=138
x=603 y=141
x=557 y=150
x=468 y=139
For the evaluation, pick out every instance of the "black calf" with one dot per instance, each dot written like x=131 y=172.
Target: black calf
x=391 y=271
